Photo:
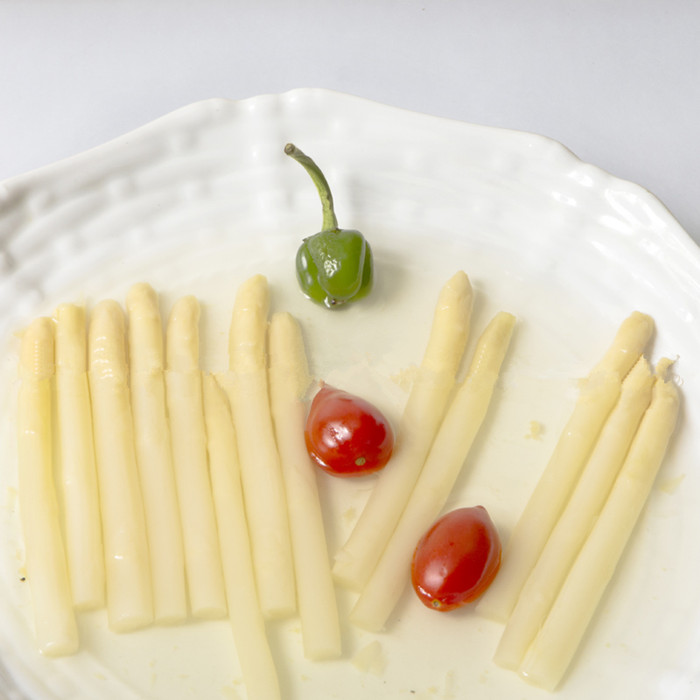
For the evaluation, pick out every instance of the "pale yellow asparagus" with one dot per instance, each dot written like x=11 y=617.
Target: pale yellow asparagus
x=78 y=475
x=56 y=630
x=570 y=532
x=289 y=382
x=447 y=455
x=254 y=655
x=597 y=397
x=205 y=581
x=154 y=454
x=552 y=650
x=424 y=410
x=263 y=487
x=127 y=564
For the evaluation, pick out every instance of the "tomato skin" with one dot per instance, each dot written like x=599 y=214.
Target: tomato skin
x=346 y=435
x=457 y=559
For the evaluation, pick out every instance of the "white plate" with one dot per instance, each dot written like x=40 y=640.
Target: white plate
x=202 y=198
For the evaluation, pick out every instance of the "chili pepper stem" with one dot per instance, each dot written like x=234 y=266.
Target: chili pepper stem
x=330 y=223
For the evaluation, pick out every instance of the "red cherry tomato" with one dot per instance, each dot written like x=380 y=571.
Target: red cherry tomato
x=346 y=435
x=457 y=559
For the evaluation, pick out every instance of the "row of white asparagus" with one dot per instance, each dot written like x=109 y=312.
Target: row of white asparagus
x=568 y=541
x=184 y=493
x=172 y=490
x=200 y=490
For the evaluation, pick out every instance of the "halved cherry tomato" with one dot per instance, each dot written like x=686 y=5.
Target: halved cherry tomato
x=457 y=559
x=346 y=435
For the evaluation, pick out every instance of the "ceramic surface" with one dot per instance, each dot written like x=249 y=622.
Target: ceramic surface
x=199 y=200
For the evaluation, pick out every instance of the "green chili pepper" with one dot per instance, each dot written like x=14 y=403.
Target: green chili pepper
x=335 y=265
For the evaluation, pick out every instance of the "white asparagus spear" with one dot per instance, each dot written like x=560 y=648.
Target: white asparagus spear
x=261 y=472
x=205 y=581
x=78 y=473
x=596 y=399
x=442 y=467
x=289 y=382
x=154 y=455
x=45 y=560
x=570 y=532
x=421 y=418
x=127 y=565
x=551 y=652
x=254 y=655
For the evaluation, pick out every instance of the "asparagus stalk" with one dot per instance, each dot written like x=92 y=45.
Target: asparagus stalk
x=127 y=567
x=78 y=472
x=289 y=381
x=45 y=561
x=254 y=655
x=205 y=582
x=261 y=472
x=154 y=455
